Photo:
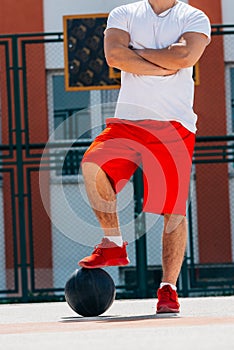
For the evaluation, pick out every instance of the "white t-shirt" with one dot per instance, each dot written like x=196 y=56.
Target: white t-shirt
x=157 y=97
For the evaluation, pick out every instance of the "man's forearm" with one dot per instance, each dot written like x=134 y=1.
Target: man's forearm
x=168 y=58
x=130 y=61
x=182 y=54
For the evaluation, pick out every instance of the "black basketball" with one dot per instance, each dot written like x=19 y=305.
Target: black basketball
x=90 y=292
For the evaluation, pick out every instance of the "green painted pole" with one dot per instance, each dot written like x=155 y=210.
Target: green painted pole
x=140 y=235
x=20 y=171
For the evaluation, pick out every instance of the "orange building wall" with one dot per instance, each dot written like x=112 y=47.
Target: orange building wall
x=26 y=16
x=214 y=229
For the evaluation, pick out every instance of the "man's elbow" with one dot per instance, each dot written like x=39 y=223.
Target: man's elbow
x=182 y=57
x=112 y=58
x=185 y=60
x=111 y=61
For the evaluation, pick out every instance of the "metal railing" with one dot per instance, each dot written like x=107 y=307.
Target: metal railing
x=21 y=160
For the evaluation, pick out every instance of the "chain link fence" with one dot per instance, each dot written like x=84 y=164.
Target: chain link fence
x=47 y=224
x=212 y=200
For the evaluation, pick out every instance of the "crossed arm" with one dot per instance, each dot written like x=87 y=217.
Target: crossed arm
x=119 y=55
x=185 y=53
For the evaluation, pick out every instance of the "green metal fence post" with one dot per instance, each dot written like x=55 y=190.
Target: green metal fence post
x=185 y=268
x=20 y=170
x=184 y=277
x=140 y=234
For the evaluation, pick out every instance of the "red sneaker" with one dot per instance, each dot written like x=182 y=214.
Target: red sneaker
x=167 y=300
x=106 y=253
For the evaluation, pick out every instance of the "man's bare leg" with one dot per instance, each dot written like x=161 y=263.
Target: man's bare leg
x=102 y=198
x=174 y=245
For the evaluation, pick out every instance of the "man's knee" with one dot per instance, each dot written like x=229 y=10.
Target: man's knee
x=173 y=222
x=89 y=169
x=93 y=173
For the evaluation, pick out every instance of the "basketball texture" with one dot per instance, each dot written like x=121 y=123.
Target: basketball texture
x=90 y=292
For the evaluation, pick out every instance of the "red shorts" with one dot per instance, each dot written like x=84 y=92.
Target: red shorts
x=164 y=150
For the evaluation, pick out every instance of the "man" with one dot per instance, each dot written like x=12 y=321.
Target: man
x=155 y=44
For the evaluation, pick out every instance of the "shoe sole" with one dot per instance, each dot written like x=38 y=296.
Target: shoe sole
x=112 y=262
x=167 y=310
x=168 y=315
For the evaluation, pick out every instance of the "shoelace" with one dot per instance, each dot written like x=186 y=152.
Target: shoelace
x=97 y=250
x=105 y=244
x=165 y=294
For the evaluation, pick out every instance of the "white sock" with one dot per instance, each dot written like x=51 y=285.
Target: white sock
x=168 y=284
x=116 y=239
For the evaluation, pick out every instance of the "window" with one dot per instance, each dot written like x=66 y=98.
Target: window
x=79 y=115
x=67 y=106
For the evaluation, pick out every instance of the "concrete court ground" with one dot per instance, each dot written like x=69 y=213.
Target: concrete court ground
x=205 y=323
